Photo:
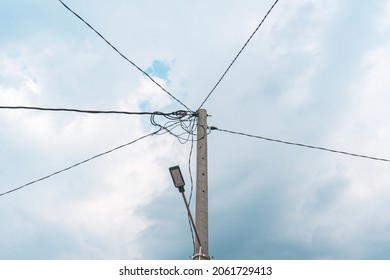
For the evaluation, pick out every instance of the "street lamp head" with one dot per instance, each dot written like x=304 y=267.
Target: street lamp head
x=177 y=177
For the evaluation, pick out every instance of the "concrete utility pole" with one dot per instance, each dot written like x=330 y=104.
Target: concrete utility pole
x=202 y=224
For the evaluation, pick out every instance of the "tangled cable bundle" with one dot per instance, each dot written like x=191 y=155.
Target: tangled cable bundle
x=180 y=124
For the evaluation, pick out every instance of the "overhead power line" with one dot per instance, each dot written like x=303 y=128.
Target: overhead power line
x=182 y=120
x=178 y=119
x=79 y=163
x=123 y=56
x=301 y=145
x=92 y=111
x=239 y=53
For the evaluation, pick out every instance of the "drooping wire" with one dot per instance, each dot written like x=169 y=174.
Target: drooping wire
x=79 y=163
x=182 y=125
x=123 y=56
x=179 y=124
x=300 y=145
x=239 y=53
x=189 y=161
x=192 y=125
x=179 y=119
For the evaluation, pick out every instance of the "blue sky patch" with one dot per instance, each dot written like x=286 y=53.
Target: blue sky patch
x=159 y=69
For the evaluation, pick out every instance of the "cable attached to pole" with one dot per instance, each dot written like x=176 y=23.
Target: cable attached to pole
x=300 y=145
x=123 y=56
x=177 y=113
x=239 y=53
x=77 y=164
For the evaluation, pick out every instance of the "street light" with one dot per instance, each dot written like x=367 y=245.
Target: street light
x=179 y=183
x=177 y=178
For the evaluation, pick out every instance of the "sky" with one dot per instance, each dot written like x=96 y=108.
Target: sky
x=315 y=73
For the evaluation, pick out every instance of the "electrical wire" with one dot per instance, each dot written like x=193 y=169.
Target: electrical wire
x=301 y=145
x=181 y=118
x=79 y=163
x=192 y=186
x=89 y=111
x=189 y=167
x=239 y=53
x=178 y=119
x=180 y=125
x=173 y=121
x=123 y=56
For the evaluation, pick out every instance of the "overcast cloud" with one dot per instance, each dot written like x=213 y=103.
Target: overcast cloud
x=315 y=73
